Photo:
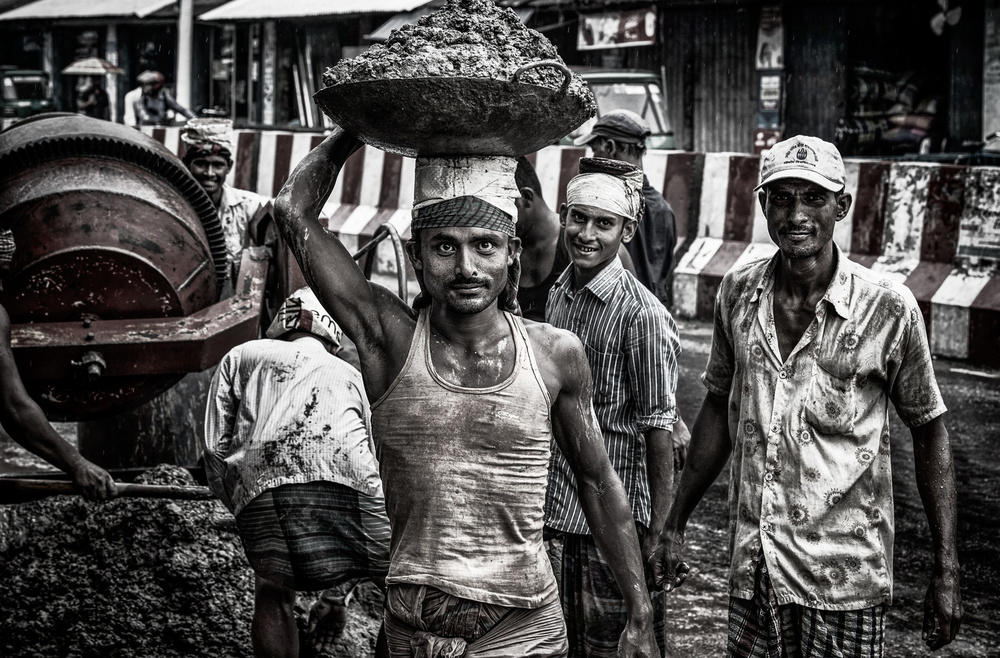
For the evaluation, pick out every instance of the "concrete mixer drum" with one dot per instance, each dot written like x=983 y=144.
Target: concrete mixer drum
x=109 y=225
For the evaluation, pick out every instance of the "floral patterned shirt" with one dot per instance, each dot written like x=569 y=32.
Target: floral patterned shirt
x=810 y=484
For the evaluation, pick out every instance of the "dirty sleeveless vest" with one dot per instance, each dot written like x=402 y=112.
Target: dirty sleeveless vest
x=464 y=473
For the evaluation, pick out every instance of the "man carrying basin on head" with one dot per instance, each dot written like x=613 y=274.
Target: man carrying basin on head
x=465 y=401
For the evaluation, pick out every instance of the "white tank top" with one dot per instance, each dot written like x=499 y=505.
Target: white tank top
x=464 y=472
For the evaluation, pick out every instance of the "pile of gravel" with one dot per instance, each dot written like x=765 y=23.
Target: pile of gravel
x=465 y=38
x=137 y=578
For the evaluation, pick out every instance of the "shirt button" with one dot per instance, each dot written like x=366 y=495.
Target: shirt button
x=769 y=476
x=783 y=374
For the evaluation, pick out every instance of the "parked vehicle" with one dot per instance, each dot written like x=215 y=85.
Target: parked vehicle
x=25 y=93
x=628 y=89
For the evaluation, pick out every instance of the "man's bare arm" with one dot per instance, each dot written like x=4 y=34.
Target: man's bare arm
x=24 y=420
x=366 y=312
x=660 y=473
x=936 y=483
x=710 y=449
x=602 y=495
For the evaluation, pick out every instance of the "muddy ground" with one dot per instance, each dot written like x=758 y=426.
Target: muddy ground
x=163 y=579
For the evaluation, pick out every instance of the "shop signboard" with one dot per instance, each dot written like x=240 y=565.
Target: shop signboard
x=617 y=29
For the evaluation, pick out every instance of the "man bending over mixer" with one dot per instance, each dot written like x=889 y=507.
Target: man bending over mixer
x=24 y=420
x=466 y=399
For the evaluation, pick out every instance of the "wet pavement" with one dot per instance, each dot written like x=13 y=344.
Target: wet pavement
x=697 y=612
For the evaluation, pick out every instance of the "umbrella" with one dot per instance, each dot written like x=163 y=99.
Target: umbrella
x=92 y=66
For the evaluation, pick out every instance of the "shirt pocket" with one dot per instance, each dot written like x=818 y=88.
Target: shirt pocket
x=607 y=369
x=831 y=403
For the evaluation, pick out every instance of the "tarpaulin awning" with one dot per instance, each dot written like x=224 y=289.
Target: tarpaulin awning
x=55 y=9
x=243 y=10
x=382 y=32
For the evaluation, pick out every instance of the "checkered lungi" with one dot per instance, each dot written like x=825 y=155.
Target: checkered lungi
x=315 y=536
x=760 y=628
x=592 y=603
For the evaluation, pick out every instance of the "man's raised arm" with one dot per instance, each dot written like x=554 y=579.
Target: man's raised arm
x=602 y=495
x=328 y=266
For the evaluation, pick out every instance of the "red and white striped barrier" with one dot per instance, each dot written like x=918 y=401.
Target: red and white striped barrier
x=935 y=228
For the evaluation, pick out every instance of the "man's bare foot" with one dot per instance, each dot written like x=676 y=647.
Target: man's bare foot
x=328 y=618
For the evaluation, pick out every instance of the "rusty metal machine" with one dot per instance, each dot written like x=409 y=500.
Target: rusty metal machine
x=114 y=291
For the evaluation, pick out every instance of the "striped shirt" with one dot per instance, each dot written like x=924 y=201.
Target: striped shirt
x=632 y=345
x=286 y=413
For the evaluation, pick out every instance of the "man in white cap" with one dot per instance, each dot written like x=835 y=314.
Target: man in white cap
x=632 y=345
x=24 y=420
x=288 y=450
x=808 y=350
x=208 y=156
x=466 y=401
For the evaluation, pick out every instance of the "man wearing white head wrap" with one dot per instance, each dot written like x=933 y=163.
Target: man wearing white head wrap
x=632 y=347
x=609 y=185
x=288 y=450
x=208 y=155
x=25 y=421
x=467 y=400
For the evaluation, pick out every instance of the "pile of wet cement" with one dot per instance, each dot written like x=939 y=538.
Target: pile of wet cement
x=138 y=578
x=465 y=38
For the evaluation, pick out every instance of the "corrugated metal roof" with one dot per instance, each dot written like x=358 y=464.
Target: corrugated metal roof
x=52 y=9
x=200 y=7
x=242 y=10
x=382 y=32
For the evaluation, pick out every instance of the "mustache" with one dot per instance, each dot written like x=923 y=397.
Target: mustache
x=462 y=281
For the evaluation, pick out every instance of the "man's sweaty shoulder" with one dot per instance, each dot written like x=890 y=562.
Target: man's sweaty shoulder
x=561 y=358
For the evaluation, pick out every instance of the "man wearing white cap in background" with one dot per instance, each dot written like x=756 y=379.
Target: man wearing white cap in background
x=809 y=348
x=24 y=420
x=632 y=345
x=208 y=156
x=466 y=399
x=288 y=450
